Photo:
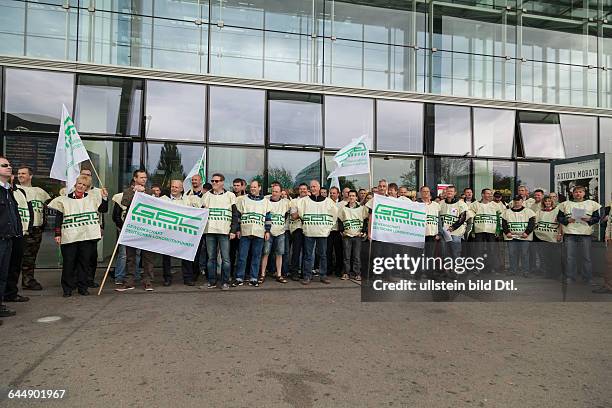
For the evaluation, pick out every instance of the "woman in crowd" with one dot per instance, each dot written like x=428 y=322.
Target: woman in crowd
x=77 y=231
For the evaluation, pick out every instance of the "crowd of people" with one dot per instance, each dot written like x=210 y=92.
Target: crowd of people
x=312 y=232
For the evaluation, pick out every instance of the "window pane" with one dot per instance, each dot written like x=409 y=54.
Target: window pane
x=446 y=170
x=453 y=133
x=605 y=135
x=179 y=46
x=399 y=126
x=170 y=161
x=33 y=99
x=236 y=52
x=295 y=118
x=290 y=168
x=496 y=175
x=51 y=32
x=579 y=135
x=12 y=21
x=533 y=175
x=235 y=162
x=175 y=111
x=348 y=118
x=108 y=105
x=403 y=172
x=290 y=16
x=236 y=115
x=541 y=135
x=290 y=57
x=354 y=182
x=493 y=132
x=177 y=9
x=117 y=39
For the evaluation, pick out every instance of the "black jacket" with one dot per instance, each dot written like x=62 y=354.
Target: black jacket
x=10 y=223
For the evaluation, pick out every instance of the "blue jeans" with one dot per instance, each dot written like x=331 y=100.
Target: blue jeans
x=286 y=254
x=255 y=245
x=215 y=243
x=121 y=264
x=309 y=247
x=518 y=254
x=453 y=248
x=574 y=245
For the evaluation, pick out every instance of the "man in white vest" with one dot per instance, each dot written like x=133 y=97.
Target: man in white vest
x=220 y=229
x=578 y=217
x=335 y=258
x=518 y=224
x=454 y=215
x=318 y=215
x=38 y=199
x=354 y=226
x=278 y=208
x=484 y=214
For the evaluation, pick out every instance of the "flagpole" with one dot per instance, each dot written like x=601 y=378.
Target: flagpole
x=96 y=173
x=108 y=267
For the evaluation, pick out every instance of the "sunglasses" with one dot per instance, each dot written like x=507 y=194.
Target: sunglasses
x=5 y=165
x=216 y=181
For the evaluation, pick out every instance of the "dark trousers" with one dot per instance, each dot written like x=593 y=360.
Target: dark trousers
x=6 y=247
x=146 y=258
x=486 y=245
x=335 y=258
x=352 y=255
x=76 y=264
x=234 y=246
x=14 y=268
x=297 y=245
x=30 y=252
x=200 y=260
x=186 y=268
x=93 y=265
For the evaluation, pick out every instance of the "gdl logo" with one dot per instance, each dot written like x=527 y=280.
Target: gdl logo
x=170 y=220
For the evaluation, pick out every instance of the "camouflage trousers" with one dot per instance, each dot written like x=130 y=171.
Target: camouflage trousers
x=30 y=251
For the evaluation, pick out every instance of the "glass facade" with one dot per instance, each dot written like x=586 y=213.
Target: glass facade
x=557 y=52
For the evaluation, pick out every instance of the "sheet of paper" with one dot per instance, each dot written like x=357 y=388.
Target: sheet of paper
x=447 y=236
x=578 y=213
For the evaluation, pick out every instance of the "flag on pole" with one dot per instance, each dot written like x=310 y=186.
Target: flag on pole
x=69 y=153
x=354 y=158
x=398 y=221
x=335 y=182
x=160 y=226
x=198 y=168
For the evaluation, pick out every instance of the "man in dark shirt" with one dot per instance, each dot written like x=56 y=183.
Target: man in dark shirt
x=10 y=228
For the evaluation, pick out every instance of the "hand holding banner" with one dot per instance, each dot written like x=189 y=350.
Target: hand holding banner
x=162 y=227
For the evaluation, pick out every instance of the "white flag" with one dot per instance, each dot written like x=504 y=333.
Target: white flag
x=198 y=168
x=69 y=153
x=354 y=158
x=335 y=182
x=163 y=227
x=398 y=221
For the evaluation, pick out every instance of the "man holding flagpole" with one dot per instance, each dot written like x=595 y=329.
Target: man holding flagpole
x=194 y=180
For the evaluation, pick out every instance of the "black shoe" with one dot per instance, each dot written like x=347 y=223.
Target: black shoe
x=237 y=283
x=83 y=292
x=167 y=283
x=17 y=298
x=33 y=285
x=4 y=312
x=67 y=294
x=255 y=284
x=93 y=285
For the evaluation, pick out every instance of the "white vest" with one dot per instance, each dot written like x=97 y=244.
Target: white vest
x=547 y=226
x=81 y=219
x=517 y=223
x=433 y=214
x=579 y=227
x=24 y=211
x=220 y=212
x=38 y=197
x=352 y=219
x=253 y=216
x=278 y=214
x=450 y=214
x=318 y=217
x=485 y=217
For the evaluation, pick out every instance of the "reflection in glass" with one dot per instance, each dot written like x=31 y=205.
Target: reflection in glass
x=236 y=162
x=33 y=99
x=355 y=181
x=12 y=21
x=402 y=171
x=170 y=161
x=108 y=105
x=290 y=168
x=236 y=52
x=348 y=118
x=496 y=175
x=493 y=132
x=188 y=10
x=295 y=118
x=541 y=135
x=605 y=135
x=447 y=170
x=533 y=175
x=399 y=126
x=579 y=135
x=453 y=133
x=236 y=115
x=51 y=32
x=173 y=103
x=179 y=46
